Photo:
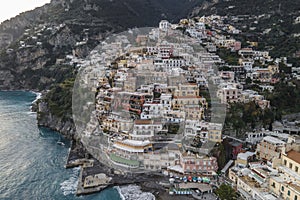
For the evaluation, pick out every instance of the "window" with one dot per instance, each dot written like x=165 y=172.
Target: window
x=284 y=162
x=296 y=197
x=291 y=165
x=273 y=184
x=289 y=193
x=282 y=188
x=296 y=169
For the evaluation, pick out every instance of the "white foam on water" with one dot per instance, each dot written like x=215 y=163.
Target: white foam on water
x=38 y=96
x=70 y=186
x=31 y=113
x=133 y=192
x=120 y=192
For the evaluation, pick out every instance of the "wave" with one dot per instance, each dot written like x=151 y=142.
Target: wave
x=133 y=192
x=70 y=186
x=38 y=96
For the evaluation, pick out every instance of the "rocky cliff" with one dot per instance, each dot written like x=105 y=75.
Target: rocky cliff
x=57 y=123
x=40 y=49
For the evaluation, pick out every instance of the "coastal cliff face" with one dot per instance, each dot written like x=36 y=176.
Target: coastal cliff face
x=40 y=48
x=45 y=118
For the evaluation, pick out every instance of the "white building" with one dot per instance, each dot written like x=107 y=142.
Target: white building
x=254 y=137
x=145 y=129
x=164 y=25
x=152 y=110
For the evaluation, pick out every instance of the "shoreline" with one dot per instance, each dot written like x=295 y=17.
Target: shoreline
x=149 y=182
x=120 y=192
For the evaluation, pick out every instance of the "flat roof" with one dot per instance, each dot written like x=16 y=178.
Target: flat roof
x=230 y=162
x=244 y=156
x=273 y=140
x=129 y=149
x=135 y=142
x=187 y=97
x=200 y=186
x=270 y=197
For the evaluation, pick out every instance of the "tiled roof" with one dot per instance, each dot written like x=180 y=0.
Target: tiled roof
x=294 y=155
x=142 y=121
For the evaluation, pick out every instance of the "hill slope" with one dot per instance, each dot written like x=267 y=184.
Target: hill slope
x=34 y=42
x=271 y=23
x=35 y=46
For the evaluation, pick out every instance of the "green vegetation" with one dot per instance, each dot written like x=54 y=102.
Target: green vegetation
x=124 y=161
x=232 y=58
x=205 y=93
x=226 y=192
x=219 y=152
x=243 y=116
x=274 y=24
x=173 y=128
x=286 y=97
x=59 y=99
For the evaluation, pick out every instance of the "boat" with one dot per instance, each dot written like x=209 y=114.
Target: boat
x=61 y=143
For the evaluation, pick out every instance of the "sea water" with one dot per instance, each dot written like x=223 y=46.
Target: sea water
x=31 y=160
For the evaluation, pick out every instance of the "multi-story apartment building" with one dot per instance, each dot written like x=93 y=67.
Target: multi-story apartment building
x=229 y=92
x=205 y=130
x=187 y=90
x=145 y=129
x=195 y=163
x=270 y=148
x=287 y=184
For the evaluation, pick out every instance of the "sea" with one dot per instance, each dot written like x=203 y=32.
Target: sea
x=31 y=160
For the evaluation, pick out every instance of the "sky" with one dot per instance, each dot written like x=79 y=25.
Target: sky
x=11 y=8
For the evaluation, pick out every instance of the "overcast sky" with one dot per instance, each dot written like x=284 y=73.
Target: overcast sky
x=11 y=8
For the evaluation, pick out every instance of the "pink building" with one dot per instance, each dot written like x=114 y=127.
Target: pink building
x=195 y=163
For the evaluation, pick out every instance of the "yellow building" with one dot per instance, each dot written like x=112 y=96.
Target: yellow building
x=291 y=160
x=215 y=132
x=273 y=69
x=179 y=102
x=284 y=188
x=287 y=184
x=187 y=90
x=193 y=113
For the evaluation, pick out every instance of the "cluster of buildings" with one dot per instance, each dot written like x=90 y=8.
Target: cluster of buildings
x=217 y=35
x=152 y=115
x=150 y=109
x=271 y=172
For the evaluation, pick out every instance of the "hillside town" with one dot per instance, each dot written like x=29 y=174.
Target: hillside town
x=151 y=115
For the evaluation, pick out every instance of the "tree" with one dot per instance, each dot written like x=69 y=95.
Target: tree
x=226 y=192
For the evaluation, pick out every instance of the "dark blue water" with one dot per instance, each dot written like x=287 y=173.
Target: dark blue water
x=31 y=161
